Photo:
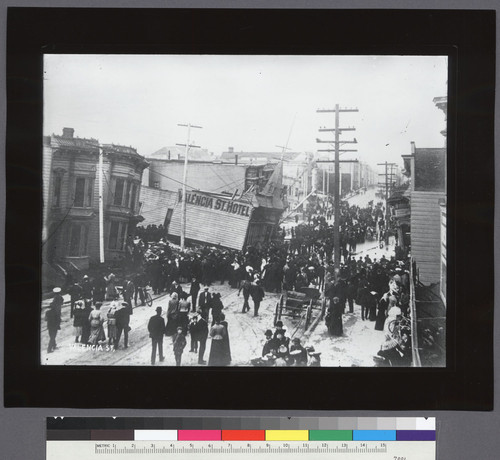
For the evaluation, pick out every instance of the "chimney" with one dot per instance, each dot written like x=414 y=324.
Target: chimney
x=236 y=159
x=412 y=147
x=68 y=133
x=231 y=149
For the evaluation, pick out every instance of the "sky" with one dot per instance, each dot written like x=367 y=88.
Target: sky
x=251 y=103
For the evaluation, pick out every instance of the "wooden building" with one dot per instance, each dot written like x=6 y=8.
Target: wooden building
x=211 y=176
x=71 y=200
x=219 y=219
x=427 y=168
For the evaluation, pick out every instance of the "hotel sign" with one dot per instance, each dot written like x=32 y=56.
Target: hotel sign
x=219 y=204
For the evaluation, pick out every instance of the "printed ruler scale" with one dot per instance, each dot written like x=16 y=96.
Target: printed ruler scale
x=229 y=448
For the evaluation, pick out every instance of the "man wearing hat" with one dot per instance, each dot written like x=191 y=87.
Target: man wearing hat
x=271 y=345
x=245 y=287
x=122 y=316
x=76 y=292
x=199 y=333
x=257 y=294
x=156 y=328
x=298 y=353
x=58 y=299
x=193 y=292
x=128 y=293
x=279 y=329
x=87 y=289
x=53 y=318
x=176 y=287
x=205 y=302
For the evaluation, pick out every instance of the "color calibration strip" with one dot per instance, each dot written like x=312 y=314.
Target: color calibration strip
x=342 y=429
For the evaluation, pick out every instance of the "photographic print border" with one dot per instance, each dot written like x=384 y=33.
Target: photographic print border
x=467 y=37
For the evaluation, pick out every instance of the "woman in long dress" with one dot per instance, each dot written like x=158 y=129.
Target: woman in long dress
x=96 y=325
x=112 y=330
x=225 y=340
x=217 y=349
x=172 y=314
x=86 y=323
x=111 y=292
x=79 y=319
x=382 y=307
x=334 y=318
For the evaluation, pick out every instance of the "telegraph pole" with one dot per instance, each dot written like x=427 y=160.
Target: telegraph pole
x=336 y=142
x=387 y=183
x=101 y=206
x=184 y=178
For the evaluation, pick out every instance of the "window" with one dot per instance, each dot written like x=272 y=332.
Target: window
x=128 y=186
x=133 y=196
x=56 y=197
x=117 y=235
x=119 y=189
x=83 y=192
x=78 y=239
x=79 y=192
x=113 y=235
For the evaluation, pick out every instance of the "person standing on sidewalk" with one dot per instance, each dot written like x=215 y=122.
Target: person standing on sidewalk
x=245 y=287
x=128 y=292
x=79 y=320
x=193 y=292
x=257 y=294
x=156 y=328
x=122 y=316
x=76 y=292
x=199 y=333
x=205 y=303
x=179 y=342
x=58 y=299
x=53 y=318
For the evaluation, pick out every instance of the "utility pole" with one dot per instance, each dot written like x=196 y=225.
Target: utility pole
x=336 y=142
x=184 y=178
x=387 y=183
x=101 y=206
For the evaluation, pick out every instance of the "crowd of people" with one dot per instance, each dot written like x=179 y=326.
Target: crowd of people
x=294 y=260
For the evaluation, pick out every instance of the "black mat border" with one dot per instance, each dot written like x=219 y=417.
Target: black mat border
x=468 y=37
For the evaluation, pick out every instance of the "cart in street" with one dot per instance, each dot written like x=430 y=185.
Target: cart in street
x=303 y=305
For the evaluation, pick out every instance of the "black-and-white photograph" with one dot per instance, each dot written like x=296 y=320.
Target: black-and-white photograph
x=244 y=210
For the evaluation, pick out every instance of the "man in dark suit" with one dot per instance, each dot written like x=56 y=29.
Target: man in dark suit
x=271 y=344
x=257 y=294
x=193 y=292
x=199 y=333
x=122 y=316
x=53 y=318
x=176 y=287
x=156 y=328
x=76 y=292
x=245 y=287
x=128 y=292
x=205 y=302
